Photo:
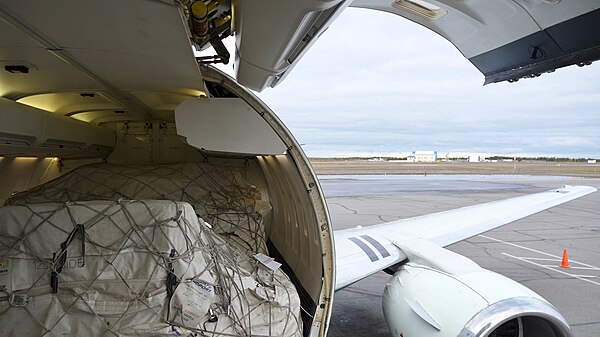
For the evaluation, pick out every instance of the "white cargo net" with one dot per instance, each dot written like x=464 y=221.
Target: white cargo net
x=220 y=195
x=133 y=268
x=145 y=268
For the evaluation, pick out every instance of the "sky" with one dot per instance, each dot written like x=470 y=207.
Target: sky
x=376 y=84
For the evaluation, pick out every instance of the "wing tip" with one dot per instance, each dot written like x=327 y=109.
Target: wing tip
x=574 y=191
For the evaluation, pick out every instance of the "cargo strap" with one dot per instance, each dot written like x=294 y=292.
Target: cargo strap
x=60 y=259
x=171 y=280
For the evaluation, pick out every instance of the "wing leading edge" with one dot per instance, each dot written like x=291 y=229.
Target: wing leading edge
x=361 y=252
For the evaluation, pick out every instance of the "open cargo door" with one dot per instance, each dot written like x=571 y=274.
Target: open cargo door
x=509 y=39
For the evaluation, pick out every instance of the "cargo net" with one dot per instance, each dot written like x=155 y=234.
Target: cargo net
x=133 y=268
x=219 y=195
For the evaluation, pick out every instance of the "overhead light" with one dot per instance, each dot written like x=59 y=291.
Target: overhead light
x=26 y=158
x=17 y=69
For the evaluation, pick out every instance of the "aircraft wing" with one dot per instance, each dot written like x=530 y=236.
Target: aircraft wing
x=361 y=252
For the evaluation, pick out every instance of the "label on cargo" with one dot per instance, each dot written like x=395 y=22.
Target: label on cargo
x=192 y=301
x=5 y=275
x=267 y=261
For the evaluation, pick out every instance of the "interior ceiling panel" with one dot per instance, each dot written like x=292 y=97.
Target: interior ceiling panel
x=110 y=36
x=100 y=116
x=136 y=26
x=112 y=46
x=136 y=72
x=46 y=71
x=66 y=103
x=161 y=101
x=15 y=38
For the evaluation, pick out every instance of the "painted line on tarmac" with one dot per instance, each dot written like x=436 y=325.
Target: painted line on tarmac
x=539 y=252
x=579 y=277
x=557 y=265
x=543 y=259
x=586 y=276
x=585 y=268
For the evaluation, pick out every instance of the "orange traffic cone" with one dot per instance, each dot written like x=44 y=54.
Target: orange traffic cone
x=565 y=260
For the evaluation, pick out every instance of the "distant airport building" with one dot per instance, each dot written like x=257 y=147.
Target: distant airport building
x=422 y=156
x=474 y=159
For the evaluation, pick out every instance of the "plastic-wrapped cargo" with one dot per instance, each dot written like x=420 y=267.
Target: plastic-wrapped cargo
x=220 y=195
x=133 y=268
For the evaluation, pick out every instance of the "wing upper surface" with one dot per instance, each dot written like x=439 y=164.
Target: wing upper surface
x=356 y=260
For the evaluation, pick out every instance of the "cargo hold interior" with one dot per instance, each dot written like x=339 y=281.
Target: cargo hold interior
x=232 y=160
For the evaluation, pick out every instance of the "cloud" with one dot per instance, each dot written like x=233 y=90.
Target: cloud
x=375 y=82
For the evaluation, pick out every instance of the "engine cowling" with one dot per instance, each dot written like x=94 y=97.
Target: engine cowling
x=421 y=300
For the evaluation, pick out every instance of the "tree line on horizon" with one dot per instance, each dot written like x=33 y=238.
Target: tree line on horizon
x=548 y=159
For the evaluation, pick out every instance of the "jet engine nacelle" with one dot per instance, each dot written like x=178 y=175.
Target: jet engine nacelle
x=438 y=297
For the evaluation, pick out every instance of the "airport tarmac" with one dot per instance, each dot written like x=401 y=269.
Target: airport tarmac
x=527 y=250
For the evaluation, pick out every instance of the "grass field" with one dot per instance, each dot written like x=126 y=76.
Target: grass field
x=358 y=166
